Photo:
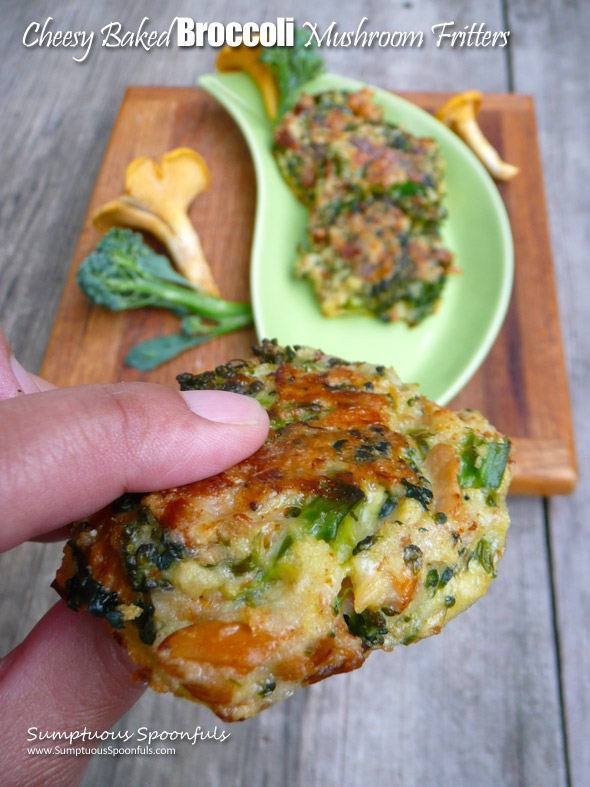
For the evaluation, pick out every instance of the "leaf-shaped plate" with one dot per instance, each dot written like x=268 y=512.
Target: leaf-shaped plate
x=445 y=350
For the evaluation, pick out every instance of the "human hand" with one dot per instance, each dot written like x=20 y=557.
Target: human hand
x=65 y=453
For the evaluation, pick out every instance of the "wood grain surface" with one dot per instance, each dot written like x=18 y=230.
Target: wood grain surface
x=502 y=697
x=552 y=60
x=89 y=344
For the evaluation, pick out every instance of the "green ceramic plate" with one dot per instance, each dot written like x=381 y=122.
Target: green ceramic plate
x=444 y=351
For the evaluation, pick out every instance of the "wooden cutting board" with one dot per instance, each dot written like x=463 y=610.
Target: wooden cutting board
x=521 y=387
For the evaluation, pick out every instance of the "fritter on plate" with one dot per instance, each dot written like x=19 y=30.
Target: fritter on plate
x=370 y=517
x=366 y=256
x=375 y=196
x=339 y=134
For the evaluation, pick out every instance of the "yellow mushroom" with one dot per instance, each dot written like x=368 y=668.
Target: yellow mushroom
x=460 y=115
x=156 y=200
x=247 y=59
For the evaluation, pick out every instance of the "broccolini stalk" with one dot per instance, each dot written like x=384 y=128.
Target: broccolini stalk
x=124 y=273
x=147 y=355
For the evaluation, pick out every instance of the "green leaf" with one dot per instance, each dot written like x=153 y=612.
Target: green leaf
x=420 y=493
x=446 y=576
x=388 y=507
x=413 y=558
x=159 y=266
x=431 y=580
x=293 y=67
x=279 y=423
x=484 y=553
x=287 y=543
x=148 y=355
x=365 y=544
x=369 y=625
x=483 y=463
x=324 y=514
x=492 y=467
x=407 y=190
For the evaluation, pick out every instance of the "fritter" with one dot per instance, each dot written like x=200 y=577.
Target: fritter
x=370 y=517
x=366 y=256
x=375 y=194
x=343 y=135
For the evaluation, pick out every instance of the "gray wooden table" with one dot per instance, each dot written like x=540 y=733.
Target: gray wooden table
x=502 y=696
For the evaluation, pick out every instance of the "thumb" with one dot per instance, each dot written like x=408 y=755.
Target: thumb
x=66 y=453
x=68 y=676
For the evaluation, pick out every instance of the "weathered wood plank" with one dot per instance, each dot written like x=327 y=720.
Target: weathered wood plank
x=557 y=33
x=496 y=664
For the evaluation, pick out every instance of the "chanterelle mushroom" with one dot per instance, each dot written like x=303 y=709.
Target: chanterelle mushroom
x=156 y=200
x=459 y=114
x=247 y=59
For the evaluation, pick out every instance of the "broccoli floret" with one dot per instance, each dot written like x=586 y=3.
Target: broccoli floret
x=124 y=273
x=82 y=590
x=149 y=553
x=293 y=67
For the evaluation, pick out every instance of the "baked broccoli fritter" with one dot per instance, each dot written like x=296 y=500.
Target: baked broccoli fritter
x=375 y=194
x=370 y=517
x=368 y=257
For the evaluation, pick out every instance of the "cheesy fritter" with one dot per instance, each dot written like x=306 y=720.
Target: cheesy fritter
x=368 y=257
x=369 y=518
x=382 y=188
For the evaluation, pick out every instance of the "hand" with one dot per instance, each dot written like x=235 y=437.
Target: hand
x=65 y=453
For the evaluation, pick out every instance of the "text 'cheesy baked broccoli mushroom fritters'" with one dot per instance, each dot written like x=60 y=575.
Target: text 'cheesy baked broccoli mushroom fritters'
x=375 y=194
x=370 y=517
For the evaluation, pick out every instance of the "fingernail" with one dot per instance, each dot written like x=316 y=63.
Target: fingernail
x=224 y=407
x=25 y=381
